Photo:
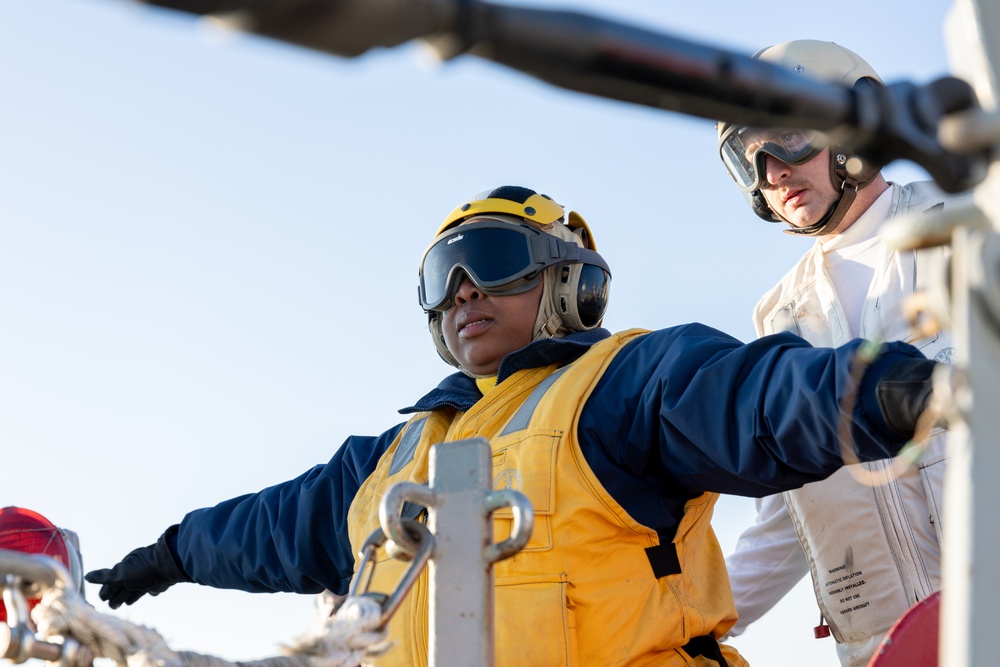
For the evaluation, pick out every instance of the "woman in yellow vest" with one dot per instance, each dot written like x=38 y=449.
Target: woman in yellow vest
x=620 y=441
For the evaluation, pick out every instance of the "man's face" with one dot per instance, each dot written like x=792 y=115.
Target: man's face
x=802 y=193
x=480 y=330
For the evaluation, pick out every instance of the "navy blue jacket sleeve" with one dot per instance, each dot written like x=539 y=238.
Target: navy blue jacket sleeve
x=289 y=537
x=693 y=409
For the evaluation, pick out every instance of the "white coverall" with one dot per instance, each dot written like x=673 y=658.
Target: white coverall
x=872 y=551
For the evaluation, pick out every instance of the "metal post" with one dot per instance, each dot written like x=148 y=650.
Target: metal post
x=970 y=579
x=460 y=501
x=461 y=581
x=972 y=532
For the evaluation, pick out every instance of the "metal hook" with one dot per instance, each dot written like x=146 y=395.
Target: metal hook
x=524 y=523
x=390 y=509
x=419 y=535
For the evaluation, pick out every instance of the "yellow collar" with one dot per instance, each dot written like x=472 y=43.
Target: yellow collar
x=486 y=384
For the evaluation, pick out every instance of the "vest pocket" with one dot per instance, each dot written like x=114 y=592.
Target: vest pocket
x=541 y=536
x=525 y=462
x=533 y=625
x=783 y=320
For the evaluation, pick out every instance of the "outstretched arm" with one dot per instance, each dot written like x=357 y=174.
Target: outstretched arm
x=289 y=537
x=692 y=408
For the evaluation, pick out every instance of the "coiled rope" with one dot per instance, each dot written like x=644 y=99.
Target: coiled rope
x=345 y=640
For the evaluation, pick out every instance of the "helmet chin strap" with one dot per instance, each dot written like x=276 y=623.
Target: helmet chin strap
x=833 y=216
x=849 y=187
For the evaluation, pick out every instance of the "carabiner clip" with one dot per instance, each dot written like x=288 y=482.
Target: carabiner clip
x=22 y=576
x=420 y=534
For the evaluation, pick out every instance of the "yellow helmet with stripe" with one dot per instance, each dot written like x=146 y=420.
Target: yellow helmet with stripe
x=523 y=203
x=576 y=280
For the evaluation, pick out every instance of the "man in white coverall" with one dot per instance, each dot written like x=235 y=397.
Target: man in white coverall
x=872 y=546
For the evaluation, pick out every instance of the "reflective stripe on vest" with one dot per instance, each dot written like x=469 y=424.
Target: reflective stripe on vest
x=582 y=590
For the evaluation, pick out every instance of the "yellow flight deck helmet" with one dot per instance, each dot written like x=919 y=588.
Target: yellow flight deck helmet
x=743 y=149
x=506 y=241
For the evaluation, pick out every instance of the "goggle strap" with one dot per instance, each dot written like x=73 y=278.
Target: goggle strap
x=571 y=252
x=545 y=247
x=591 y=257
x=546 y=250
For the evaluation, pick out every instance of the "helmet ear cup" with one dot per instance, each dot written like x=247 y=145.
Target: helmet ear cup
x=581 y=295
x=592 y=293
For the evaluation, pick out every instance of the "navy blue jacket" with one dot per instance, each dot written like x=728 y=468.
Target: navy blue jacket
x=678 y=412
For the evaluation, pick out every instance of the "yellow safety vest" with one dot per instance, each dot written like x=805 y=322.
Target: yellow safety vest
x=583 y=591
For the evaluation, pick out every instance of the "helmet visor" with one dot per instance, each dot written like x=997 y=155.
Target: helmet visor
x=500 y=258
x=743 y=150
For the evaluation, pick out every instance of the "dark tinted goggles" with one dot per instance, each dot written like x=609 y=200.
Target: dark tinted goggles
x=501 y=258
x=743 y=151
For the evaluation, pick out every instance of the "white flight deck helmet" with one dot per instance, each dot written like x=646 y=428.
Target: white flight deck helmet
x=745 y=162
x=576 y=280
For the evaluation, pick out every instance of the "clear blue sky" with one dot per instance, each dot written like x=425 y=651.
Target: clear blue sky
x=209 y=250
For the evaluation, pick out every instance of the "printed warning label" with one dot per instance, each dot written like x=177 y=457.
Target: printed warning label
x=846 y=590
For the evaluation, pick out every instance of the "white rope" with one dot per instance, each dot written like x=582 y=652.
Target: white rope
x=345 y=641
x=352 y=633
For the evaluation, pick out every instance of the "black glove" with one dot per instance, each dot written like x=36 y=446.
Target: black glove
x=904 y=392
x=151 y=569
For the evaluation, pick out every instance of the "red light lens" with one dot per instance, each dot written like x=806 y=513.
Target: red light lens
x=29 y=532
